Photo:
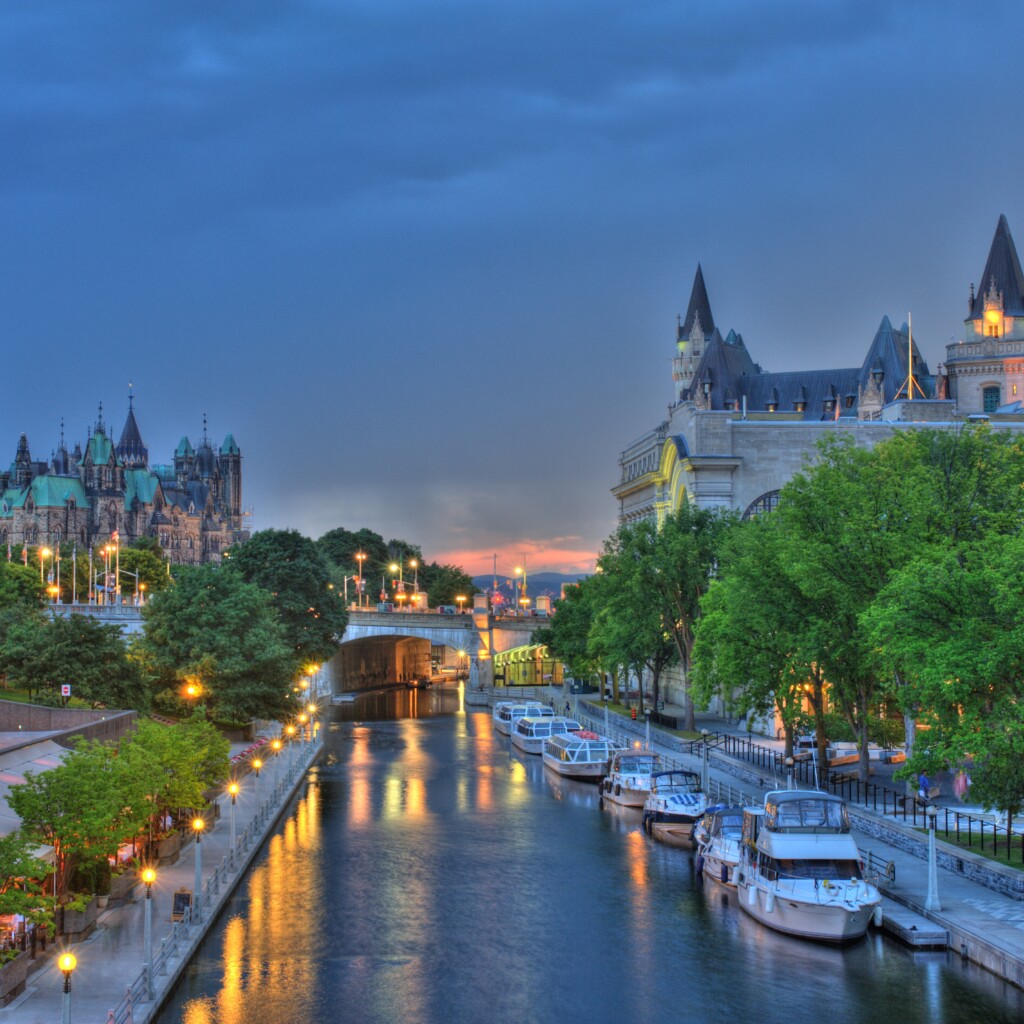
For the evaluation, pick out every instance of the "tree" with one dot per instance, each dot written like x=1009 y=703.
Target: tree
x=75 y=808
x=567 y=634
x=224 y=634
x=445 y=583
x=750 y=638
x=291 y=569
x=20 y=586
x=20 y=872
x=39 y=654
x=340 y=547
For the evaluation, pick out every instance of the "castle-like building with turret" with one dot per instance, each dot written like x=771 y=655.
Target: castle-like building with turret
x=736 y=433
x=192 y=506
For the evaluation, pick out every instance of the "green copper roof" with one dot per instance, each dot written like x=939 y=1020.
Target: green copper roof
x=101 y=448
x=56 y=491
x=184 y=448
x=141 y=484
x=229 y=447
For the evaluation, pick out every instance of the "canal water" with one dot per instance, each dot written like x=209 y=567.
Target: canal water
x=429 y=875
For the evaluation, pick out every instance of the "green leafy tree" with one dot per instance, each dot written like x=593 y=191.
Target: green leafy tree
x=20 y=586
x=75 y=808
x=445 y=583
x=750 y=639
x=39 y=654
x=21 y=871
x=291 y=569
x=340 y=547
x=223 y=634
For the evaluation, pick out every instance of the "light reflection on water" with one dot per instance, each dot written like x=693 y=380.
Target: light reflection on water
x=430 y=875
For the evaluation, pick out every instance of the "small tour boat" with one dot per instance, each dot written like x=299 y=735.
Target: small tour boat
x=579 y=755
x=717 y=837
x=800 y=869
x=531 y=731
x=506 y=712
x=629 y=777
x=673 y=806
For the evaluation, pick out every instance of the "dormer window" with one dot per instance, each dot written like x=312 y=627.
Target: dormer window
x=801 y=406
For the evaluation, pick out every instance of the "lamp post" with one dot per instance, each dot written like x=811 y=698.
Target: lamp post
x=233 y=790
x=44 y=553
x=66 y=963
x=360 y=558
x=289 y=731
x=275 y=745
x=704 y=761
x=149 y=877
x=257 y=764
x=198 y=824
x=303 y=720
x=647 y=726
x=789 y=772
x=460 y=600
x=932 y=900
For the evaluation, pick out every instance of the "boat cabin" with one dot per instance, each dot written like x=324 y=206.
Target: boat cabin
x=796 y=810
x=675 y=781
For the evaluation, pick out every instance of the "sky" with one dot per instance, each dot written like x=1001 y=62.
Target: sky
x=424 y=258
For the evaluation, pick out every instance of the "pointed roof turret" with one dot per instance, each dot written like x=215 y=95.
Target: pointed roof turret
x=131 y=449
x=699 y=309
x=1002 y=274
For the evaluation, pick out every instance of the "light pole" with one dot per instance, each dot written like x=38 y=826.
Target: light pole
x=360 y=558
x=704 y=761
x=647 y=726
x=66 y=963
x=461 y=600
x=44 y=553
x=303 y=720
x=257 y=764
x=275 y=745
x=789 y=773
x=149 y=877
x=198 y=824
x=289 y=731
x=932 y=900
x=233 y=790
x=606 y=716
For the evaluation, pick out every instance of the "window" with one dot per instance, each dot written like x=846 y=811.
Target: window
x=990 y=398
x=766 y=503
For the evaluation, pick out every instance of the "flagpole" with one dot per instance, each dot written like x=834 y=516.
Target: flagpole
x=91 y=594
x=74 y=574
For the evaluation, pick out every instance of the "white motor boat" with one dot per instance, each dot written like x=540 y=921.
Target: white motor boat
x=629 y=777
x=579 y=755
x=506 y=712
x=531 y=732
x=673 y=806
x=717 y=837
x=800 y=869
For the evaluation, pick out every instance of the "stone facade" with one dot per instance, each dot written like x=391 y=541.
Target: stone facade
x=110 y=492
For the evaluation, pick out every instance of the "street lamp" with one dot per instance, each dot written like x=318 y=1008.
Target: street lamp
x=461 y=599
x=704 y=762
x=647 y=720
x=257 y=764
x=66 y=963
x=275 y=745
x=198 y=824
x=44 y=553
x=149 y=877
x=789 y=772
x=932 y=900
x=360 y=558
x=233 y=790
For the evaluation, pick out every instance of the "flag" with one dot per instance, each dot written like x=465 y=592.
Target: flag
x=24 y=555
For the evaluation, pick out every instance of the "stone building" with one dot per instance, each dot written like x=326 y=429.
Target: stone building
x=192 y=506
x=736 y=433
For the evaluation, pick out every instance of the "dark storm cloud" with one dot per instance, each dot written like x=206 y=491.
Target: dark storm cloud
x=423 y=259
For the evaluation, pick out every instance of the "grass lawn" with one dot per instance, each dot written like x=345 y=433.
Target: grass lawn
x=1014 y=857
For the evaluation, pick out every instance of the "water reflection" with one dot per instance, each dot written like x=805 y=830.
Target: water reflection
x=428 y=875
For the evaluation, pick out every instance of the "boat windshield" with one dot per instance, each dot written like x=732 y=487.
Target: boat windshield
x=817 y=869
x=636 y=765
x=806 y=814
x=677 y=782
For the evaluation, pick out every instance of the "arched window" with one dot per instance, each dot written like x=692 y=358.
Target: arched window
x=766 y=503
x=990 y=398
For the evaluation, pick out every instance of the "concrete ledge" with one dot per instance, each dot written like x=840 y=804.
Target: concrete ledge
x=911 y=928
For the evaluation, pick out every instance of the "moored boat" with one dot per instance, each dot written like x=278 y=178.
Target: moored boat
x=579 y=755
x=717 y=837
x=673 y=806
x=800 y=869
x=629 y=777
x=506 y=712
x=531 y=731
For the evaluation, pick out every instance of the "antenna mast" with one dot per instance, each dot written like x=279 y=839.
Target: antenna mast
x=910 y=383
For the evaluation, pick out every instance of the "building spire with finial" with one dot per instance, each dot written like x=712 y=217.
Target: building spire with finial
x=99 y=421
x=131 y=395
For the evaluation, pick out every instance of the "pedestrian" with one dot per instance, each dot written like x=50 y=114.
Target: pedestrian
x=568 y=710
x=923 y=787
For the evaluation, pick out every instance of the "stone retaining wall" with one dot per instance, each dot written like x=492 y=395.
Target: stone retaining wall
x=107 y=726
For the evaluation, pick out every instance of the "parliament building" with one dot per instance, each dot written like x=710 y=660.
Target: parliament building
x=192 y=506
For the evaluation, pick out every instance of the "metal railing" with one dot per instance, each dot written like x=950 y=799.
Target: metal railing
x=183 y=937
